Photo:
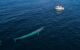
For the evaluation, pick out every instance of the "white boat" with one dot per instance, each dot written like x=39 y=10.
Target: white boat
x=59 y=8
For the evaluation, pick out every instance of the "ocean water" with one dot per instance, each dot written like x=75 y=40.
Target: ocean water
x=20 y=17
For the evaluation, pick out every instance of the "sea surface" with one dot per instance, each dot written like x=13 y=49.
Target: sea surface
x=21 y=17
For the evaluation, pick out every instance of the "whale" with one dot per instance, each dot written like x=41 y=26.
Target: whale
x=30 y=34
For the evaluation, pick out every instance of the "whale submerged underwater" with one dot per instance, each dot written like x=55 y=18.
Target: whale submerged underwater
x=30 y=34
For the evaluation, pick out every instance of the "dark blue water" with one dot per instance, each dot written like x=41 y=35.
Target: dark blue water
x=20 y=17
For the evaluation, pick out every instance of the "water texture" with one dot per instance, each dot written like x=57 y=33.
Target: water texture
x=20 y=17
